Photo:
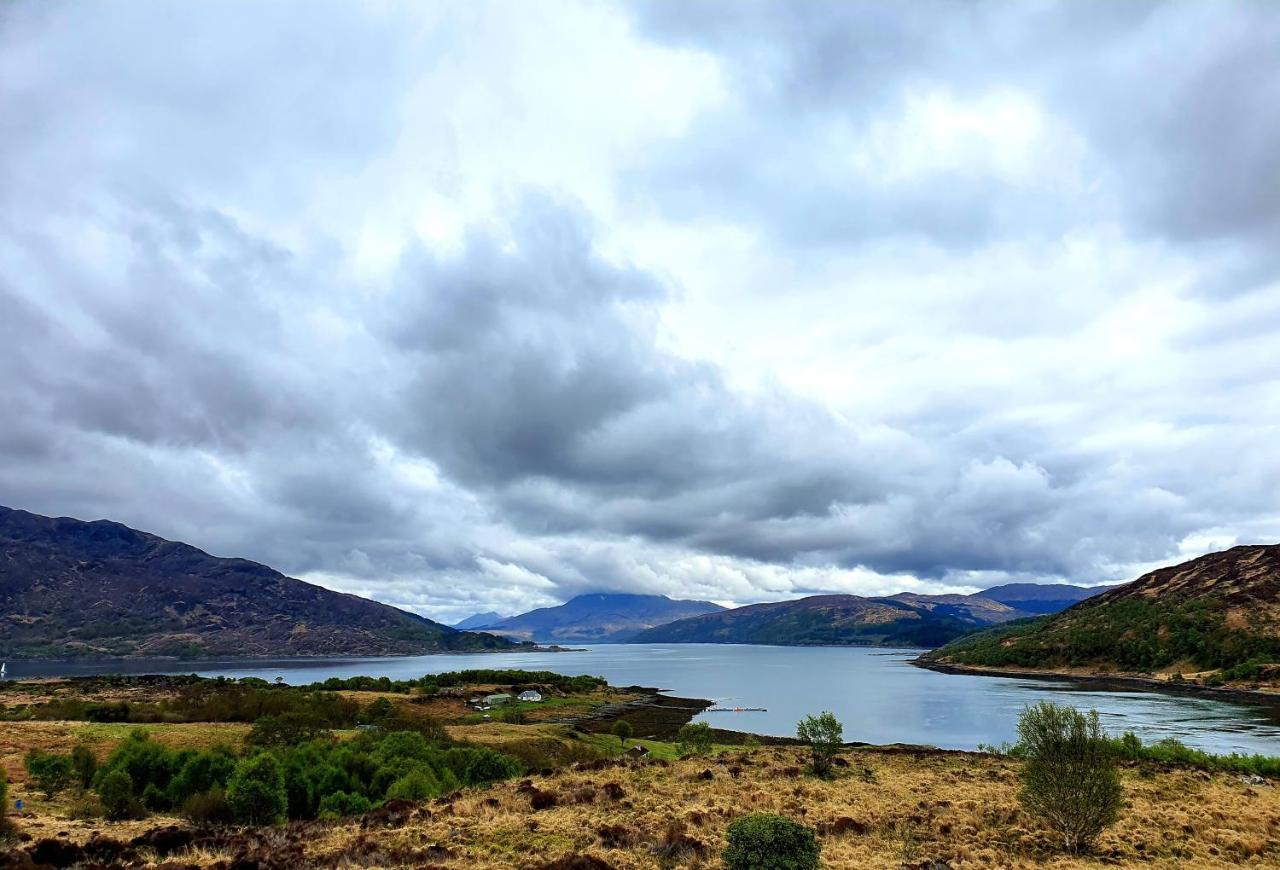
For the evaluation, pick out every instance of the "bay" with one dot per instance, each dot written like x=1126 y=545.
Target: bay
x=878 y=695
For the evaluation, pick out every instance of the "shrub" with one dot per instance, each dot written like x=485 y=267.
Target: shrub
x=84 y=808
x=84 y=764
x=622 y=730
x=1069 y=778
x=824 y=734
x=115 y=790
x=377 y=712
x=287 y=729
x=50 y=772
x=146 y=763
x=255 y=792
x=487 y=766
x=108 y=712
x=209 y=808
x=341 y=803
x=417 y=785
x=201 y=772
x=694 y=739
x=767 y=842
x=4 y=803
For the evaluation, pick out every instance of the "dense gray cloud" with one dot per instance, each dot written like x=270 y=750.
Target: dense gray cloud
x=808 y=297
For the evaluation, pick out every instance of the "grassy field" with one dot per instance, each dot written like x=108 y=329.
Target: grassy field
x=586 y=794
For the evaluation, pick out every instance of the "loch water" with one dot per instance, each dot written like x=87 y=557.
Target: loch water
x=878 y=695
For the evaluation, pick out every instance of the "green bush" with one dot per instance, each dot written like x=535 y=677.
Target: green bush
x=416 y=785
x=622 y=730
x=767 y=842
x=1173 y=751
x=256 y=792
x=341 y=804
x=200 y=773
x=1069 y=777
x=109 y=712
x=824 y=734
x=287 y=729
x=486 y=766
x=84 y=764
x=209 y=808
x=694 y=738
x=115 y=790
x=50 y=772
x=149 y=766
x=4 y=804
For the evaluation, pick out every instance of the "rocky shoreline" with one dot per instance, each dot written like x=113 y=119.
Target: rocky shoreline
x=1123 y=681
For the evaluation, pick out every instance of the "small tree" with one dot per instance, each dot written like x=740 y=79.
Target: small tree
x=84 y=764
x=416 y=785
x=115 y=789
x=255 y=792
x=1069 y=779
x=694 y=739
x=50 y=772
x=824 y=734
x=622 y=730
x=4 y=803
x=486 y=765
x=767 y=842
x=340 y=803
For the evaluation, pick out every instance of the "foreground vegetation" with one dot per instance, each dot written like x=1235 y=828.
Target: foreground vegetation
x=424 y=784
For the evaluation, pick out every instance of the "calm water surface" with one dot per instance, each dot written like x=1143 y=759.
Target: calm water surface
x=878 y=696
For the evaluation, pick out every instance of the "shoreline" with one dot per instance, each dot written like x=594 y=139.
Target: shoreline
x=244 y=659
x=1248 y=696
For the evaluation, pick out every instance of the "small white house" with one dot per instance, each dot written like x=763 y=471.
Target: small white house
x=530 y=696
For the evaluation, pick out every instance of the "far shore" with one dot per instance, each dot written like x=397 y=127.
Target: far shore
x=330 y=656
x=1267 y=696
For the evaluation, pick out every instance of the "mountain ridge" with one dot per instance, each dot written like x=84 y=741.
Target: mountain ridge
x=72 y=588
x=1215 y=618
x=599 y=617
x=903 y=619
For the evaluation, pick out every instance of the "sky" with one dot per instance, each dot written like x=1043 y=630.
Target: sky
x=481 y=305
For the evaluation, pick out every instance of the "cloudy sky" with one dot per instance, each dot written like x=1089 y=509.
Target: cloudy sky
x=471 y=306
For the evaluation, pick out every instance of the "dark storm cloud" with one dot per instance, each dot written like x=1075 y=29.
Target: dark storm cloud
x=251 y=300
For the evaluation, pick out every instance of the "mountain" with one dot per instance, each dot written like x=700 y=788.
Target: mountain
x=1039 y=598
x=479 y=620
x=74 y=589
x=901 y=620
x=1220 y=612
x=599 y=618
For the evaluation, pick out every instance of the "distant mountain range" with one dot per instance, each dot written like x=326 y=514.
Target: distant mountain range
x=1218 y=613
x=74 y=589
x=907 y=619
x=1037 y=598
x=598 y=618
x=479 y=620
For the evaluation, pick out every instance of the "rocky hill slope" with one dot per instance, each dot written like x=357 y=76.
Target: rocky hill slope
x=1219 y=613
x=74 y=589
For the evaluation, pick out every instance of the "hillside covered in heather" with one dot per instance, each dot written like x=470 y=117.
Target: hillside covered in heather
x=75 y=589
x=1218 y=615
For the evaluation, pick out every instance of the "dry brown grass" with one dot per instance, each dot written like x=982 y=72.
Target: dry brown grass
x=884 y=808
x=908 y=807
